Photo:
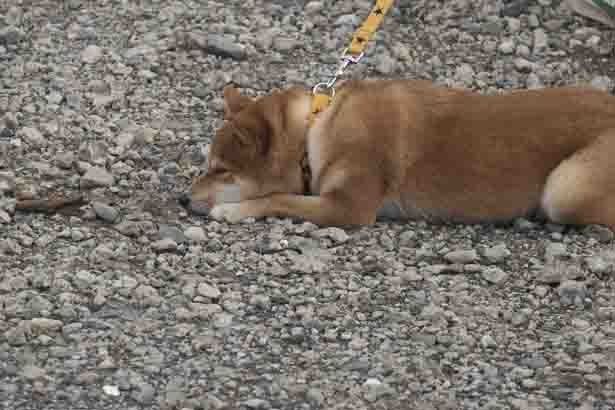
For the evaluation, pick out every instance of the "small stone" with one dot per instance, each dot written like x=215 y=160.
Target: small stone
x=495 y=275
x=540 y=40
x=487 y=341
x=84 y=279
x=600 y=233
x=572 y=292
x=513 y=24
x=129 y=228
x=410 y=275
x=125 y=140
x=497 y=254
x=465 y=74
x=32 y=136
x=257 y=404
x=307 y=264
x=313 y=7
x=164 y=245
x=111 y=390
x=533 y=21
x=5 y=218
x=598 y=265
x=315 y=396
x=225 y=46
x=555 y=250
x=42 y=324
x=31 y=372
x=407 y=239
x=559 y=271
x=507 y=47
x=386 y=65
x=65 y=160
x=376 y=389
x=96 y=177
x=105 y=212
x=171 y=232
x=533 y=82
x=11 y=35
x=208 y=291
x=7 y=182
x=195 y=234
x=523 y=66
x=91 y=54
x=145 y=393
x=462 y=256
x=603 y=83
x=337 y=235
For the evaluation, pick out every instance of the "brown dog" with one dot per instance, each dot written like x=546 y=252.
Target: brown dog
x=409 y=149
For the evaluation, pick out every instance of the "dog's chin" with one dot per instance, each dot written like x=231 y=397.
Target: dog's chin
x=200 y=208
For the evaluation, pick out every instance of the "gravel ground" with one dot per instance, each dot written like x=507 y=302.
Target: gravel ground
x=129 y=303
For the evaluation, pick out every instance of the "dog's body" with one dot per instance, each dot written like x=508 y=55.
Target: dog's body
x=409 y=149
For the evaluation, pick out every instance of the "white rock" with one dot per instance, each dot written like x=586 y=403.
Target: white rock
x=195 y=234
x=91 y=54
x=507 y=46
x=111 y=390
x=209 y=291
x=96 y=177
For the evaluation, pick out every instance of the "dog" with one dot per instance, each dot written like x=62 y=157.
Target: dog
x=410 y=149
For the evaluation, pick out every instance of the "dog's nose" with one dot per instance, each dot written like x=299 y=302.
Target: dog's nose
x=184 y=200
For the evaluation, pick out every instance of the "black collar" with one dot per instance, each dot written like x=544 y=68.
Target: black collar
x=306 y=174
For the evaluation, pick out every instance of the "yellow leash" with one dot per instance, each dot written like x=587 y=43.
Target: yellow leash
x=324 y=92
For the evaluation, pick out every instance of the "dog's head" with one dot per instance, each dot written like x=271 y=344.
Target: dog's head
x=251 y=155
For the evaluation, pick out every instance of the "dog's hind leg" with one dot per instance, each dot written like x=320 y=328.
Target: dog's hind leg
x=581 y=190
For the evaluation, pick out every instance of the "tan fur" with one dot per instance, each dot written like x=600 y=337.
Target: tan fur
x=414 y=150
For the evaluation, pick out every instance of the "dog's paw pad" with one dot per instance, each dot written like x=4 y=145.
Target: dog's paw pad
x=226 y=212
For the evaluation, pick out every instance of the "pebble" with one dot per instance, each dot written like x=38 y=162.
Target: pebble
x=105 y=212
x=495 y=275
x=507 y=47
x=208 y=291
x=144 y=394
x=465 y=73
x=462 y=256
x=195 y=234
x=164 y=245
x=171 y=232
x=497 y=254
x=337 y=235
x=91 y=54
x=572 y=292
x=225 y=46
x=31 y=372
x=555 y=250
x=113 y=391
x=96 y=177
x=540 y=40
x=32 y=136
x=487 y=341
x=257 y=404
x=603 y=83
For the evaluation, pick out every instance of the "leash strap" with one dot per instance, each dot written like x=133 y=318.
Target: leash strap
x=323 y=93
x=369 y=27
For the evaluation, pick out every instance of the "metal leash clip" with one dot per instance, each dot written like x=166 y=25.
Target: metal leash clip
x=347 y=60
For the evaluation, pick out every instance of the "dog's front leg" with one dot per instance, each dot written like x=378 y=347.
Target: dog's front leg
x=325 y=210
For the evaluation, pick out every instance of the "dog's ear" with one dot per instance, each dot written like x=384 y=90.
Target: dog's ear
x=233 y=101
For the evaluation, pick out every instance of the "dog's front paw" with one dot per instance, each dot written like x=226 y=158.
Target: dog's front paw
x=227 y=212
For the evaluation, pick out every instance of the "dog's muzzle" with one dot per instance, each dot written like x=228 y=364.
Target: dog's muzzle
x=184 y=200
x=197 y=207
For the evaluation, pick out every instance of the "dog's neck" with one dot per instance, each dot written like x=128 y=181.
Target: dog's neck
x=299 y=114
